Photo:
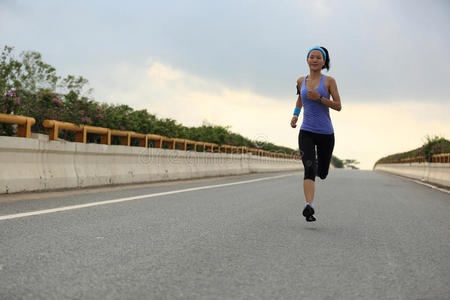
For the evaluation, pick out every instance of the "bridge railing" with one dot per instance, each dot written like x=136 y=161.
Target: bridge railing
x=23 y=123
x=435 y=158
x=441 y=158
x=413 y=159
x=158 y=141
x=53 y=127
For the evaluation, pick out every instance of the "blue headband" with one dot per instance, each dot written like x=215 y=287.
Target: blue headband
x=320 y=49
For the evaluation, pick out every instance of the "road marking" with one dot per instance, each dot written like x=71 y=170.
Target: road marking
x=72 y=207
x=431 y=186
x=423 y=183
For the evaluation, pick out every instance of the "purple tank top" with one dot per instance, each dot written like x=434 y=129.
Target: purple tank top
x=316 y=116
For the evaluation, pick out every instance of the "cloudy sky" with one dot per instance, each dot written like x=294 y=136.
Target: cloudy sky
x=235 y=63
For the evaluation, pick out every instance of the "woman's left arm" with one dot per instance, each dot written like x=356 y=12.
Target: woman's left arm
x=336 y=102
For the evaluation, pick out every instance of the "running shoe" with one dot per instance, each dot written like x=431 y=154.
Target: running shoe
x=310 y=219
x=308 y=211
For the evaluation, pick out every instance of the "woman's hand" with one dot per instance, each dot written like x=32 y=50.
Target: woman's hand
x=313 y=94
x=294 y=121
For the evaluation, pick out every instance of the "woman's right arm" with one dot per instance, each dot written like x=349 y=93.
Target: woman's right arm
x=299 y=103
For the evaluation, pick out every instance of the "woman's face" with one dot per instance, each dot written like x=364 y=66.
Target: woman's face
x=315 y=60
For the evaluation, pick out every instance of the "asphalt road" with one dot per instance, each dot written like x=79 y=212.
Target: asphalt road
x=377 y=236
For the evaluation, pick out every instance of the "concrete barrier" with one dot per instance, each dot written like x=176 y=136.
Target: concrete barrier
x=438 y=173
x=38 y=164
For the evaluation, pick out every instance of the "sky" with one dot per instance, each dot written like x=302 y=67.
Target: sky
x=235 y=63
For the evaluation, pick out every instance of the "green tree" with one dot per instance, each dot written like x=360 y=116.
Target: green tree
x=32 y=74
x=337 y=163
x=350 y=163
x=432 y=146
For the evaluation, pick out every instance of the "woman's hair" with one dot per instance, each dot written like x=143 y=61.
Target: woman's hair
x=327 y=60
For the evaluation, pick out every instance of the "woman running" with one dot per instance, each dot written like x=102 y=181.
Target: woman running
x=314 y=91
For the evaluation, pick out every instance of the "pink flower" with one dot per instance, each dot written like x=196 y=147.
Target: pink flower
x=98 y=108
x=18 y=100
x=85 y=119
x=99 y=116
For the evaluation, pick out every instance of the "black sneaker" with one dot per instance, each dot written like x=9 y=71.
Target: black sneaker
x=310 y=219
x=308 y=211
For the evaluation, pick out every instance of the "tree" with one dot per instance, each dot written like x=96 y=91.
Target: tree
x=431 y=146
x=350 y=163
x=33 y=75
x=337 y=163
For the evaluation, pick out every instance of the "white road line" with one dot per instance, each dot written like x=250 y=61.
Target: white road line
x=431 y=186
x=423 y=183
x=64 y=208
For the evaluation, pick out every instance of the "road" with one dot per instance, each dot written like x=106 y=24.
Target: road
x=377 y=236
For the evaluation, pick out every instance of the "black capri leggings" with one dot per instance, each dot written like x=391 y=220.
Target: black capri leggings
x=307 y=142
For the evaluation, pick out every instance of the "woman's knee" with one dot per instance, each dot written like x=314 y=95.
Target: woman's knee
x=322 y=171
x=310 y=170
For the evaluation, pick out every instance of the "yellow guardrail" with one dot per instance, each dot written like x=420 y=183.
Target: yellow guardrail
x=436 y=158
x=125 y=139
x=23 y=123
x=105 y=134
x=142 y=138
x=52 y=127
x=157 y=140
x=441 y=158
x=413 y=159
x=228 y=149
x=242 y=149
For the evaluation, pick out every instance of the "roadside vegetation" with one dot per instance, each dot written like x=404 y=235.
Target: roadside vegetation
x=432 y=145
x=31 y=87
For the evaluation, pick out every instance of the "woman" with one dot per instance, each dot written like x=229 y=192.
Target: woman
x=314 y=91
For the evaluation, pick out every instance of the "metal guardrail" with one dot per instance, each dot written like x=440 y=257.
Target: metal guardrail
x=125 y=139
x=413 y=159
x=436 y=158
x=441 y=158
x=52 y=127
x=23 y=123
x=142 y=138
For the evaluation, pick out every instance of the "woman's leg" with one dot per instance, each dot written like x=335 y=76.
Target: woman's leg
x=325 y=146
x=308 y=153
x=308 y=190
